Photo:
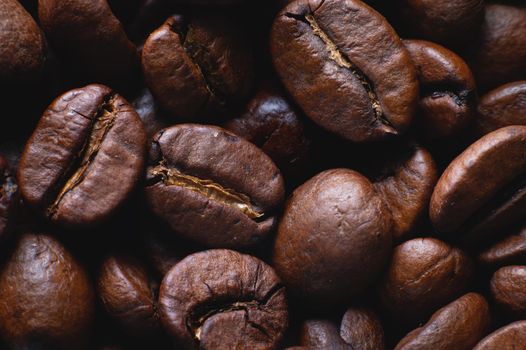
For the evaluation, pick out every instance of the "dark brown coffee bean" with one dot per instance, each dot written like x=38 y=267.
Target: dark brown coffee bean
x=450 y=23
x=9 y=198
x=362 y=330
x=212 y=186
x=334 y=225
x=509 y=251
x=506 y=105
x=84 y=158
x=406 y=181
x=510 y=337
x=127 y=295
x=345 y=67
x=483 y=190
x=272 y=123
x=221 y=299
x=457 y=326
x=47 y=301
x=425 y=274
x=322 y=335
x=447 y=89
x=500 y=51
x=22 y=48
x=90 y=39
x=196 y=67
x=508 y=287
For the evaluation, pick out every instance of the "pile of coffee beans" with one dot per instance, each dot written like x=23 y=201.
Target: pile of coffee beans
x=263 y=174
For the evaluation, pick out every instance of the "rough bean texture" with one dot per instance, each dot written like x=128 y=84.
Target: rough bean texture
x=46 y=299
x=221 y=299
x=212 y=186
x=345 y=67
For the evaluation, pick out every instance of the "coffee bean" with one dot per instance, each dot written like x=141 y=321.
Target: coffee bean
x=345 y=67
x=90 y=39
x=482 y=191
x=84 y=158
x=425 y=274
x=221 y=299
x=23 y=48
x=405 y=180
x=361 y=328
x=323 y=335
x=47 y=299
x=9 y=198
x=508 y=287
x=212 y=186
x=503 y=106
x=510 y=337
x=457 y=326
x=125 y=290
x=334 y=225
x=508 y=251
x=499 y=53
x=188 y=71
x=273 y=124
x=451 y=23
x=447 y=90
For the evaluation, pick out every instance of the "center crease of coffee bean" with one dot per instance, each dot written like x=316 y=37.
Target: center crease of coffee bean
x=198 y=54
x=513 y=191
x=344 y=62
x=173 y=177
x=195 y=322
x=101 y=125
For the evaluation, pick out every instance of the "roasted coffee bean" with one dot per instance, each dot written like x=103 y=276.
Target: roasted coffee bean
x=89 y=39
x=84 y=158
x=508 y=287
x=405 y=180
x=198 y=66
x=127 y=294
x=452 y=23
x=334 y=225
x=212 y=186
x=322 y=335
x=504 y=106
x=47 y=301
x=9 y=198
x=510 y=337
x=345 y=67
x=425 y=274
x=22 y=48
x=499 y=54
x=483 y=190
x=447 y=89
x=457 y=326
x=508 y=251
x=273 y=124
x=361 y=328
x=221 y=299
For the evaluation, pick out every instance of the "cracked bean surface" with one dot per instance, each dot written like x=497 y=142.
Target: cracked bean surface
x=222 y=299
